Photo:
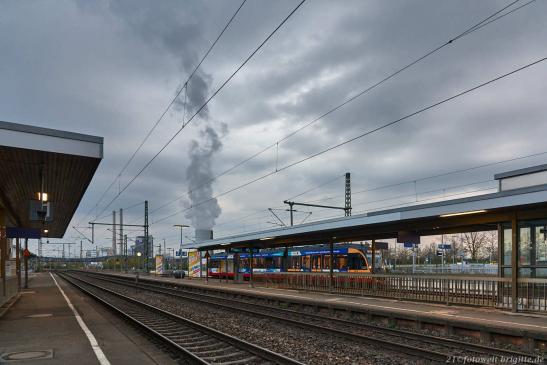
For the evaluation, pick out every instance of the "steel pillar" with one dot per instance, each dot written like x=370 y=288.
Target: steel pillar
x=373 y=257
x=347 y=204
x=114 y=233
x=120 y=236
x=26 y=264
x=18 y=262
x=331 y=281
x=514 y=262
x=146 y=240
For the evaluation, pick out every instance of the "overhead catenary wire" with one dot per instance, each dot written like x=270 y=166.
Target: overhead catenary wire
x=198 y=111
x=414 y=202
x=177 y=94
x=330 y=181
x=364 y=134
x=356 y=203
x=467 y=169
x=486 y=21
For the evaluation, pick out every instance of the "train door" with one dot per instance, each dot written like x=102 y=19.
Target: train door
x=316 y=264
x=306 y=263
x=326 y=263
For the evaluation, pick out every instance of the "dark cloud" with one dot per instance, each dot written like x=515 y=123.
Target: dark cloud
x=110 y=68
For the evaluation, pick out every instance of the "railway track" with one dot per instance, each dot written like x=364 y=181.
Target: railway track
x=192 y=342
x=415 y=344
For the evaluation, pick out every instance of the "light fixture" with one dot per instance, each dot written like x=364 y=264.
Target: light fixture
x=139 y=254
x=462 y=213
x=266 y=238
x=46 y=231
x=41 y=196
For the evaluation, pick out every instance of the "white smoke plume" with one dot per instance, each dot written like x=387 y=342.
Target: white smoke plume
x=205 y=208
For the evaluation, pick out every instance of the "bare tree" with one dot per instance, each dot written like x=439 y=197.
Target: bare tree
x=457 y=246
x=491 y=248
x=426 y=251
x=477 y=243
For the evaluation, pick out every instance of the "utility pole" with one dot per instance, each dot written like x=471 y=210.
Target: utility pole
x=114 y=232
x=146 y=248
x=92 y=233
x=164 y=247
x=291 y=209
x=125 y=252
x=121 y=232
x=347 y=204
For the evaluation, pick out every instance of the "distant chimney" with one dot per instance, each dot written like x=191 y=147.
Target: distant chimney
x=204 y=235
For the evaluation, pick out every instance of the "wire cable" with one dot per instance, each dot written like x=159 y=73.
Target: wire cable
x=488 y=20
x=184 y=87
x=467 y=169
x=317 y=187
x=205 y=104
x=367 y=133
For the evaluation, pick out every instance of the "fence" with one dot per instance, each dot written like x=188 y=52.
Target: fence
x=477 y=291
x=448 y=269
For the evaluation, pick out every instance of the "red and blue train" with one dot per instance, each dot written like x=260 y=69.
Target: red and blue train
x=347 y=258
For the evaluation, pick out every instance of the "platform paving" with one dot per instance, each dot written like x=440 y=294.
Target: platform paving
x=465 y=316
x=41 y=321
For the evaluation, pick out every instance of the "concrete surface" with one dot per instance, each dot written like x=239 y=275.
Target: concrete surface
x=42 y=321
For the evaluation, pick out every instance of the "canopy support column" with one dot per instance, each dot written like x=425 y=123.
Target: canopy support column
x=514 y=262
x=331 y=278
x=373 y=257
x=26 y=264
x=251 y=265
x=3 y=251
x=18 y=262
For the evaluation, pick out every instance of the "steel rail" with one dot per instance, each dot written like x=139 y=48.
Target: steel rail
x=160 y=287
x=191 y=354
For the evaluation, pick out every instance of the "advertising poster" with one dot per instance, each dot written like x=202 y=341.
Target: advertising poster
x=159 y=265
x=194 y=264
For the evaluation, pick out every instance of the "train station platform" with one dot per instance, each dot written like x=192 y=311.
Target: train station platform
x=527 y=330
x=43 y=328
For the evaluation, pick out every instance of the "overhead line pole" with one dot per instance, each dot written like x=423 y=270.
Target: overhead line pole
x=146 y=238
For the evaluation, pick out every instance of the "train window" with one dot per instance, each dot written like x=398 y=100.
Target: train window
x=342 y=262
x=306 y=263
x=326 y=262
x=315 y=262
x=356 y=262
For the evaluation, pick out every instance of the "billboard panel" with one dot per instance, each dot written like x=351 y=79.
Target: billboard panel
x=159 y=265
x=194 y=264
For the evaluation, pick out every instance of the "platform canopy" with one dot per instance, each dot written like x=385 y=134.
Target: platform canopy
x=477 y=213
x=34 y=160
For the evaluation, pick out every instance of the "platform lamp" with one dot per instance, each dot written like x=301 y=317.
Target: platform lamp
x=181 y=226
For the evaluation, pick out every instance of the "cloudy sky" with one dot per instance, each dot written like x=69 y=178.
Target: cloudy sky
x=110 y=68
